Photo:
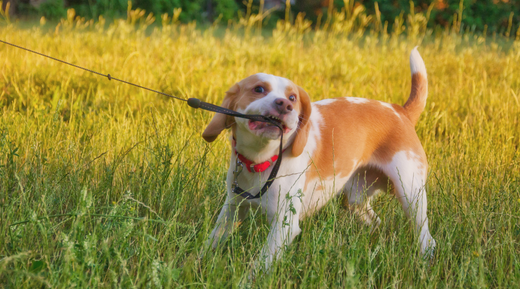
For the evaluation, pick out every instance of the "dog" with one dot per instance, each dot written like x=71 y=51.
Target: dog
x=351 y=146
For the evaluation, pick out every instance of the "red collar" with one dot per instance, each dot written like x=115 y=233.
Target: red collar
x=252 y=167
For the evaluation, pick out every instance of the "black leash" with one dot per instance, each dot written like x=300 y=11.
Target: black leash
x=197 y=103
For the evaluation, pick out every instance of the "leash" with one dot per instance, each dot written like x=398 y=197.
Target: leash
x=197 y=103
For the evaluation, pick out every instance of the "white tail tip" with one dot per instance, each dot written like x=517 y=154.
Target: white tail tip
x=417 y=63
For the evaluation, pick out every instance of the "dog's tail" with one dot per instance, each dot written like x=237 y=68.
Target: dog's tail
x=417 y=100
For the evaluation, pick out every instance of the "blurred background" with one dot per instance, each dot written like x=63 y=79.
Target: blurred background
x=479 y=15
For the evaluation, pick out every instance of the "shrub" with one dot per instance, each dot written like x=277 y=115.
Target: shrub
x=490 y=15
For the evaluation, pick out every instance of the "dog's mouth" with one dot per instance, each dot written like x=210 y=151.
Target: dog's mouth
x=259 y=125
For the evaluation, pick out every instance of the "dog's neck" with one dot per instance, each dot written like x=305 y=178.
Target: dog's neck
x=255 y=148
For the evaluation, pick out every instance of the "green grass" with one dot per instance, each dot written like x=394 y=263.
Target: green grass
x=118 y=189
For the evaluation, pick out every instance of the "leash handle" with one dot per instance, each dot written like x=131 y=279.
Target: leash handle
x=197 y=103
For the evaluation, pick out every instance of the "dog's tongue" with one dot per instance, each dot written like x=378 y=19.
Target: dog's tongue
x=253 y=125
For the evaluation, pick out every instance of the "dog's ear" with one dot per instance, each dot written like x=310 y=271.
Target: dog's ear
x=303 y=127
x=221 y=121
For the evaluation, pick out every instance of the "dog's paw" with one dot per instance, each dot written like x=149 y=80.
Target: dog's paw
x=428 y=249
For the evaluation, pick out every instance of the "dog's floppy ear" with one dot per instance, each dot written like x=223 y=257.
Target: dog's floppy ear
x=303 y=128
x=221 y=121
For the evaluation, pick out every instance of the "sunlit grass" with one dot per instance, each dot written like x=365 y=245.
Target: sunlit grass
x=120 y=190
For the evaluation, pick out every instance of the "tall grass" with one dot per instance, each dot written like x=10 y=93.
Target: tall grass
x=106 y=185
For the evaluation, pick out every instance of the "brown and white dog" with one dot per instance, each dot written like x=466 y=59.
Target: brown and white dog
x=352 y=146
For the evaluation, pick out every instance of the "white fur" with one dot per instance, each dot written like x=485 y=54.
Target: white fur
x=278 y=83
x=357 y=100
x=326 y=101
x=417 y=63
x=386 y=104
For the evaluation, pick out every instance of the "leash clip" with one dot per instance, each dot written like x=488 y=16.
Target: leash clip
x=239 y=167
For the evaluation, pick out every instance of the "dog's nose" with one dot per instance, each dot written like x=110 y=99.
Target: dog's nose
x=283 y=105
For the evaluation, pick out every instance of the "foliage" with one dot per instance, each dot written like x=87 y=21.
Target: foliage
x=52 y=9
x=477 y=15
x=227 y=8
x=93 y=9
x=104 y=185
x=192 y=10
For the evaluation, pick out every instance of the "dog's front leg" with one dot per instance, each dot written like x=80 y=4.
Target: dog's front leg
x=230 y=215
x=284 y=217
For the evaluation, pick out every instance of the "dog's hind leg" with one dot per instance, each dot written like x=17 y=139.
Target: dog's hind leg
x=365 y=183
x=407 y=171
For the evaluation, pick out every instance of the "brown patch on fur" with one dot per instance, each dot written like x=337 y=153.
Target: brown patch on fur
x=292 y=89
x=221 y=121
x=352 y=134
x=415 y=104
x=305 y=109
x=247 y=95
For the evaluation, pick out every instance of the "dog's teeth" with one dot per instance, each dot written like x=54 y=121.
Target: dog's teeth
x=272 y=117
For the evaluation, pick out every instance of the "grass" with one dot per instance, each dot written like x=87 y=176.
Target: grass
x=105 y=185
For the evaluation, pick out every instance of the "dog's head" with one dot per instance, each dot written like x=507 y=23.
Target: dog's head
x=275 y=97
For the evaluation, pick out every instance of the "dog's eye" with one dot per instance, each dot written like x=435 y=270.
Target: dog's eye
x=259 y=89
x=292 y=97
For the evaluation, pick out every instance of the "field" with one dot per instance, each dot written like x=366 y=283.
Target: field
x=105 y=185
